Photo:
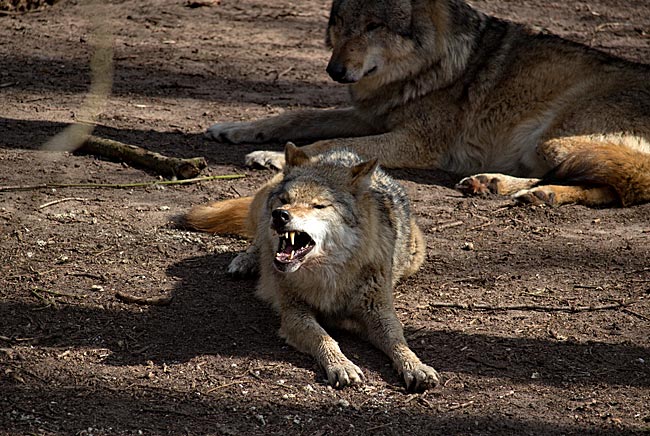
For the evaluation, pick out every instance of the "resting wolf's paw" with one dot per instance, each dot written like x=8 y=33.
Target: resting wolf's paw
x=421 y=377
x=272 y=160
x=234 y=133
x=536 y=196
x=344 y=374
x=479 y=184
x=244 y=265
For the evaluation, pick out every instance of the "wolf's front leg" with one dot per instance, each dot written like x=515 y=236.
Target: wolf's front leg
x=386 y=333
x=304 y=125
x=301 y=330
x=393 y=149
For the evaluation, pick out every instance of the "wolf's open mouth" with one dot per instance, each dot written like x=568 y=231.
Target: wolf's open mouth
x=292 y=248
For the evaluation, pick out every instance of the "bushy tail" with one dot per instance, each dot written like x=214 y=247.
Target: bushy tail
x=625 y=170
x=227 y=217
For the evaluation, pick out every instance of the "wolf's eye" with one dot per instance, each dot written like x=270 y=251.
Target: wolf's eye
x=373 y=25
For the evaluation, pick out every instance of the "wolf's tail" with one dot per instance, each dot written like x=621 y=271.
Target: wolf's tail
x=227 y=217
x=625 y=170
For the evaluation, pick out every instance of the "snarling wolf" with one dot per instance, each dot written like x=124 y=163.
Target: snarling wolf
x=438 y=84
x=332 y=235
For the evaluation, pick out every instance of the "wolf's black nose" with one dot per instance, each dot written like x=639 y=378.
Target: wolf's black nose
x=336 y=71
x=280 y=217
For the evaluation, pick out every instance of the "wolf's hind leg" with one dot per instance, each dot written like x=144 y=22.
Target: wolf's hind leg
x=302 y=331
x=494 y=183
x=556 y=195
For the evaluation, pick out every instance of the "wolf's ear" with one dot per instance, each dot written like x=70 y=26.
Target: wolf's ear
x=293 y=156
x=361 y=173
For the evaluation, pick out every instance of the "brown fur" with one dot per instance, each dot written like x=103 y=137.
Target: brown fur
x=363 y=241
x=227 y=217
x=437 y=84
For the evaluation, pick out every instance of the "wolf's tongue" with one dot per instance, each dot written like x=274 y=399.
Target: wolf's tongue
x=285 y=255
x=288 y=249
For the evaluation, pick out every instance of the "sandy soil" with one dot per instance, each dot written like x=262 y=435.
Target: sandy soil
x=76 y=360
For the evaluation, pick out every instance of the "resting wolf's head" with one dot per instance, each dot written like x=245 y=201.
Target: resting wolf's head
x=376 y=42
x=313 y=215
x=365 y=35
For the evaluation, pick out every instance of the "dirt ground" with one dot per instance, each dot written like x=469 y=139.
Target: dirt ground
x=520 y=353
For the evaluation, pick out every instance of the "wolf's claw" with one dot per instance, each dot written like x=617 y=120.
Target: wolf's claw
x=273 y=160
x=344 y=374
x=420 y=378
x=479 y=184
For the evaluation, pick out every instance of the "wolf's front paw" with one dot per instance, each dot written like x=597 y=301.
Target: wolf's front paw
x=272 y=160
x=344 y=374
x=244 y=265
x=234 y=133
x=421 y=377
x=479 y=184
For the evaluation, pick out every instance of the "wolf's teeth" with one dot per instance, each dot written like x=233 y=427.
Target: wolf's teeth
x=292 y=236
x=286 y=235
x=292 y=253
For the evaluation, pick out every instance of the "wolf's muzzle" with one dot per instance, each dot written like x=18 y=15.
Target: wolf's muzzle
x=338 y=72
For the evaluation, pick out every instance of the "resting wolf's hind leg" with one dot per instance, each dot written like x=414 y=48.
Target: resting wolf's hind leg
x=555 y=195
x=494 y=183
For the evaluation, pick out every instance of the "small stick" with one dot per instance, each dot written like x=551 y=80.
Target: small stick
x=163 y=300
x=460 y=406
x=59 y=294
x=61 y=200
x=119 y=185
x=447 y=226
x=637 y=314
x=227 y=384
x=531 y=307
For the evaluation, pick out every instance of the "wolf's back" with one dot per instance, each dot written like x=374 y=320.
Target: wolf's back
x=227 y=217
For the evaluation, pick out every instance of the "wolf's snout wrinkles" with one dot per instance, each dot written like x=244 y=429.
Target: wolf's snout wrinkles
x=280 y=217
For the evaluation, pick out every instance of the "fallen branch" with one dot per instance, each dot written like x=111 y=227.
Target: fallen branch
x=140 y=157
x=529 y=307
x=119 y=185
x=162 y=300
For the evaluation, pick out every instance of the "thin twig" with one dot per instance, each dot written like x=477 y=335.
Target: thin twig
x=530 y=307
x=460 y=406
x=119 y=185
x=162 y=300
x=227 y=385
x=637 y=314
x=59 y=294
x=61 y=200
x=14 y=13
x=447 y=226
